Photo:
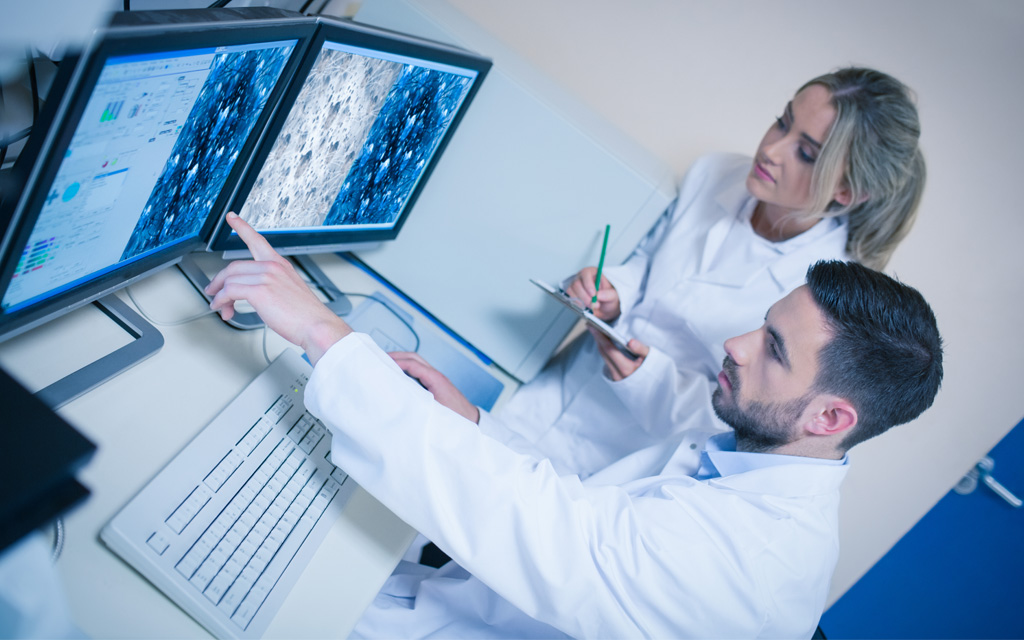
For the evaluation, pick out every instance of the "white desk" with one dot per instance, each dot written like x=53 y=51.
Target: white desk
x=141 y=418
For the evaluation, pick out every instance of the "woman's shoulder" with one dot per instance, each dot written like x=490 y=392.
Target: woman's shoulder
x=715 y=168
x=721 y=163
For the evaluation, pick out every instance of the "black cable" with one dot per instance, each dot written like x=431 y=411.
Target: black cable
x=3 y=144
x=24 y=133
x=35 y=85
x=217 y=4
x=127 y=5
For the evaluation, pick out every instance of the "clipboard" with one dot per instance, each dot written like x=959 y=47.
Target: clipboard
x=572 y=303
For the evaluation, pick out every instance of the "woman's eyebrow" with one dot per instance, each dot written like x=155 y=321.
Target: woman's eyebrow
x=789 y=112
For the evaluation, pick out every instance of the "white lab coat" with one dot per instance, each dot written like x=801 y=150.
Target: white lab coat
x=700 y=277
x=640 y=549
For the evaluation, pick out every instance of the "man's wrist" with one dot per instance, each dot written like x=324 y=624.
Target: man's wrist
x=322 y=336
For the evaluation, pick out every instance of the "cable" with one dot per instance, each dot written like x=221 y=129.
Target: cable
x=34 y=82
x=127 y=5
x=393 y=312
x=218 y=4
x=334 y=292
x=58 y=539
x=3 y=143
x=24 y=133
x=173 y=323
x=266 y=356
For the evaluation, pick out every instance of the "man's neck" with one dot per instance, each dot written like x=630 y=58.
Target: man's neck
x=805 y=447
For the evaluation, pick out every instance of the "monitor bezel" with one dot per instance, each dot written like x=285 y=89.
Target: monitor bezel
x=307 y=241
x=117 y=41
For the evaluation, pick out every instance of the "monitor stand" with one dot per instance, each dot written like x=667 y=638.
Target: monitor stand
x=147 y=340
x=336 y=301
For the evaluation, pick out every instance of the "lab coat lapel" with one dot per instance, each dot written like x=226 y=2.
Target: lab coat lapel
x=735 y=201
x=792 y=266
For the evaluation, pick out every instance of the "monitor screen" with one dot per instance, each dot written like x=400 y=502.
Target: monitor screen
x=362 y=128
x=153 y=140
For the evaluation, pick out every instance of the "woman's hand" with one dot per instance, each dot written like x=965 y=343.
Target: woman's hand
x=582 y=288
x=618 y=365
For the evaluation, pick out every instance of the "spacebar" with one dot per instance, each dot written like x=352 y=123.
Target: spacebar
x=289 y=548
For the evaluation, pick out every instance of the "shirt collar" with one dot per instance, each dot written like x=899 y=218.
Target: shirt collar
x=720 y=458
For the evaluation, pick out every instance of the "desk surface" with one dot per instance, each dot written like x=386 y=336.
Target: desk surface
x=143 y=417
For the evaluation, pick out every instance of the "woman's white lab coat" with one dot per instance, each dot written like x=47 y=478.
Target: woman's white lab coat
x=700 y=277
x=640 y=549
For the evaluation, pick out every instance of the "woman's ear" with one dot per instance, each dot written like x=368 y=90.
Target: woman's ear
x=843 y=195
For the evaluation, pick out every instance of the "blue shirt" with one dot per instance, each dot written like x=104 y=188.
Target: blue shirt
x=720 y=458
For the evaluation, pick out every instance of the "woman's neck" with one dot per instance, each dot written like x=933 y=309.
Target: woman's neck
x=776 y=224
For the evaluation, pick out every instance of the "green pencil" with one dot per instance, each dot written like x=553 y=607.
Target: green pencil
x=600 y=264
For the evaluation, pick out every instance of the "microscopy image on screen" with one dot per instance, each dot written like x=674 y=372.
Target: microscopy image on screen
x=355 y=144
x=232 y=99
x=407 y=131
x=321 y=138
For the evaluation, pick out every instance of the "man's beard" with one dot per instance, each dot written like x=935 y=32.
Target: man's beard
x=764 y=425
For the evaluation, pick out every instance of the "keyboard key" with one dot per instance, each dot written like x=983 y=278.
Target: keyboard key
x=188 y=509
x=158 y=542
x=254 y=436
x=224 y=469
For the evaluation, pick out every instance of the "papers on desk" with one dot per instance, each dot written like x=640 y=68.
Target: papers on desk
x=382 y=320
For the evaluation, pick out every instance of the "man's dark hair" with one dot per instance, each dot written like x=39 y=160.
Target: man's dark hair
x=885 y=352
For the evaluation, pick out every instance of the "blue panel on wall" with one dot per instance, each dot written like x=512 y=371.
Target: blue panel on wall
x=956 y=574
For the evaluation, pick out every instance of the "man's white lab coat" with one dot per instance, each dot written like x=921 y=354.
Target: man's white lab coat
x=638 y=549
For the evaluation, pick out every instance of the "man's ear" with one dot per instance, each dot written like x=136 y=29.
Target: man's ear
x=834 y=416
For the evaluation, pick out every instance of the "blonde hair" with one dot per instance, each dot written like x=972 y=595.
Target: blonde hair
x=872 y=150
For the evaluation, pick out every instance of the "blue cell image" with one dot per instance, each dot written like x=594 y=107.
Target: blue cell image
x=408 y=129
x=225 y=112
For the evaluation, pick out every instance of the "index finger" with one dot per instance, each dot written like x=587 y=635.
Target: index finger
x=257 y=244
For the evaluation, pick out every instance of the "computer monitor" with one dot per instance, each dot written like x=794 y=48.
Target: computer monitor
x=146 y=148
x=367 y=118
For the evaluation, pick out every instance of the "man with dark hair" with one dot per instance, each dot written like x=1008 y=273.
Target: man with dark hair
x=700 y=532
x=882 y=360
x=884 y=354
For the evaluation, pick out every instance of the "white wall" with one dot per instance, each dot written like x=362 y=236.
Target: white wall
x=684 y=77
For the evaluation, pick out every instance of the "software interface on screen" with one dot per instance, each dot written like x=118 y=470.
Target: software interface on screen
x=356 y=143
x=150 y=155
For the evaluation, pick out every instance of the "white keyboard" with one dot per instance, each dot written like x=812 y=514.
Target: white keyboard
x=227 y=527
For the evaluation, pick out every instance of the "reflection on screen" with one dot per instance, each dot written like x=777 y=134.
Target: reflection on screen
x=356 y=142
x=150 y=155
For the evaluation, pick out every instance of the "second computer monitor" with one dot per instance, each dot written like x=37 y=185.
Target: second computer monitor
x=355 y=139
x=150 y=145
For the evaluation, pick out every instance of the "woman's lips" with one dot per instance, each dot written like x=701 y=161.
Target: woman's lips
x=761 y=173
